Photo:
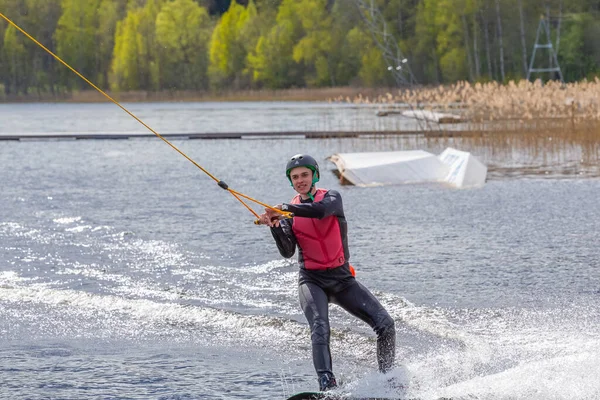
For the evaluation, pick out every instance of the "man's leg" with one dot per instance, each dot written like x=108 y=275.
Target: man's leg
x=360 y=302
x=315 y=305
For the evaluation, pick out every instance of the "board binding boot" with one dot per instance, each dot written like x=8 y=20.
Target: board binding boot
x=327 y=382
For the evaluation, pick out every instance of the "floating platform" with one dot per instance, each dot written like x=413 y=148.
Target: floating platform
x=213 y=135
x=426 y=115
x=453 y=167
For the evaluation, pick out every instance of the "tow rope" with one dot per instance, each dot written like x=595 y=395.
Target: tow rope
x=223 y=185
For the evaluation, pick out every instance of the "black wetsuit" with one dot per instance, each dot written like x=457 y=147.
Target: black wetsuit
x=318 y=288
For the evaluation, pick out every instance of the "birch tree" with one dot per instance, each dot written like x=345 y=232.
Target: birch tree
x=500 y=35
x=227 y=50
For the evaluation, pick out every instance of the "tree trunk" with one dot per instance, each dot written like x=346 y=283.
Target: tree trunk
x=488 y=52
x=523 y=41
x=13 y=70
x=476 y=47
x=560 y=4
x=436 y=65
x=550 y=59
x=400 y=23
x=500 y=41
x=331 y=68
x=467 y=47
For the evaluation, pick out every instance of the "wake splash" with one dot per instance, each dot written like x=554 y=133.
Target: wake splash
x=569 y=377
x=494 y=354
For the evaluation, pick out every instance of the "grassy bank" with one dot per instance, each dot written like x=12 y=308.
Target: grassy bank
x=92 y=96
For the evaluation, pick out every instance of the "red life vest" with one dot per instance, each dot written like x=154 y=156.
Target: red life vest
x=319 y=239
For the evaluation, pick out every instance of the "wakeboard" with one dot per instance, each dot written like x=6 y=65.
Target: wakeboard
x=332 y=396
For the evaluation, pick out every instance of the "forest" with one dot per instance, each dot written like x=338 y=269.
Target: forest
x=158 y=45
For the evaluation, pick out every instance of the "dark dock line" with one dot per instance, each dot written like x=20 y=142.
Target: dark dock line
x=213 y=135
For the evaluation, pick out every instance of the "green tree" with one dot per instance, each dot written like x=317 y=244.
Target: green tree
x=344 y=59
x=149 y=51
x=136 y=56
x=41 y=22
x=229 y=44
x=272 y=61
x=161 y=44
x=108 y=14
x=182 y=31
x=579 y=53
x=369 y=65
x=316 y=45
x=450 y=47
x=76 y=40
x=13 y=11
x=125 y=64
x=15 y=57
x=39 y=18
x=426 y=43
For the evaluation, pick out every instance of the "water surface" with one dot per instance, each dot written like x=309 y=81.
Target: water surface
x=127 y=273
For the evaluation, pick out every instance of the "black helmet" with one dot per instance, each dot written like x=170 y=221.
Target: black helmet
x=303 y=160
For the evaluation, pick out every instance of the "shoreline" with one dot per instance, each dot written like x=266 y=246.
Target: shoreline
x=208 y=135
x=264 y=95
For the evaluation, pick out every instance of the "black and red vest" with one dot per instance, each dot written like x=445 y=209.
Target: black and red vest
x=319 y=239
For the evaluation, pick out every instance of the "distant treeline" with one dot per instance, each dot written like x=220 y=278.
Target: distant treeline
x=157 y=45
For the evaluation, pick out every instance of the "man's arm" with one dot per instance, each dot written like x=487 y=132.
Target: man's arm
x=330 y=205
x=284 y=238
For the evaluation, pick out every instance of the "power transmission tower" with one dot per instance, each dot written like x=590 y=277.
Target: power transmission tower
x=554 y=67
x=397 y=64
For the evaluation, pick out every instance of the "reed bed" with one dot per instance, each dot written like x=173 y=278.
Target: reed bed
x=521 y=104
x=550 y=123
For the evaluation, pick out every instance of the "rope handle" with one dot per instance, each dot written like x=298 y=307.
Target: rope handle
x=283 y=215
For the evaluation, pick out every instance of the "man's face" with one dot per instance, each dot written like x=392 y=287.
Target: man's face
x=301 y=179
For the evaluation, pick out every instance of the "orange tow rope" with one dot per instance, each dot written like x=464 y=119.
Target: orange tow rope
x=221 y=184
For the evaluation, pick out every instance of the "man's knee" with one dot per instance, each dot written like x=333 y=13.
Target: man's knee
x=319 y=331
x=385 y=325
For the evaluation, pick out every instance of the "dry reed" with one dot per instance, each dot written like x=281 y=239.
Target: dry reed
x=523 y=102
x=551 y=122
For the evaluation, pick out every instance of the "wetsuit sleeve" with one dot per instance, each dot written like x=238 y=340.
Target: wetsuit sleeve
x=330 y=205
x=284 y=238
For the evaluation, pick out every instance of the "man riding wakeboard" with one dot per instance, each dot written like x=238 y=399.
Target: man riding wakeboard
x=319 y=230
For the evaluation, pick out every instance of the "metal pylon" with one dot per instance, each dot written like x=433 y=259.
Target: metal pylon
x=396 y=62
x=554 y=67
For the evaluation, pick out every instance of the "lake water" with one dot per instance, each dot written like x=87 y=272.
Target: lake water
x=127 y=273
x=206 y=117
